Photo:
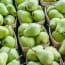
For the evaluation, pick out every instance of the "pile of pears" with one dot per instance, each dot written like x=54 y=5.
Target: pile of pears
x=43 y=56
x=32 y=34
x=7 y=12
x=8 y=52
x=57 y=21
x=29 y=11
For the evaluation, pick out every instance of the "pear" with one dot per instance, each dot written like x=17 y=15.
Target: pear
x=6 y=2
x=55 y=63
x=31 y=52
x=19 y=1
x=55 y=14
x=58 y=36
x=11 y=31
x=22 y=6
x=13 y=54
x=3 y=32
x=9 y=20
x=11 y=9
x=45 y=57
x=21 y=28
x=9 y=41
x=54 y=22
x=3 y=9
x=50 y=8
x=27 y=41
x=31 y=55
x=38 y=15
x=33 y=63
x=43 y=38
x=3 y=57
x=56 y=54
x=60 y=6
x=5 y=49
x=1 y=19
x=32 y=5
x=32 y=30
x=62 y=48
x=49 y=0
x=14 y=62
x=24 y=16
x=61 y=26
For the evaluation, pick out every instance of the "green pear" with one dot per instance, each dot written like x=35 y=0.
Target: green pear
x=22 y=6
x=32 y=30
x=60 y=6
x=9 y=41
x=14 y=62
x=33 y=63
x=50 y=8
x=6 y=2
x=3 y=9
x=31 y=52
x=11 y=31
x=3 y=58
x=55 y=14
x=11 y=9
x=31 y=55
x=55 y=63
x=3 y=32
x=24 y=16
x=27 y=41
x=43 y=38
x=45 y=57
x=1 y=19
x=9 y=20
x=32 y=5
x=13 y=54
x=21 y=28
x=61 y=26
x=54 y=22
x=49 y=0
x=5 y=49
x=58 y=36
x=56 y=54
x=38 y=15
x=19 y=1
x=62 y=48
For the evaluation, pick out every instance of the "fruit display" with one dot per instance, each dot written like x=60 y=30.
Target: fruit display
x=7 y=12
x=43 y=56
x=32 y=34
x=8 y=52
x=29 y=11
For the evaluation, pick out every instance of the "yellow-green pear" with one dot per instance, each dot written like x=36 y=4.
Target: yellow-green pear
x=14 y=62
x=11 y=9
x=3 y=10
x=27 y=41
x=55 y=14
x=24 y=16
x=9 y=20
x=6 y=2
x=21 y=28
x=42 y=38
x=9 y=41
x=3 y=58
x=32 y=30
x=38 y=15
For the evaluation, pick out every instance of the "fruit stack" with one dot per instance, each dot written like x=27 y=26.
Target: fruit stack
x=7 y=12
x=29 y=11
x=57 y=22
